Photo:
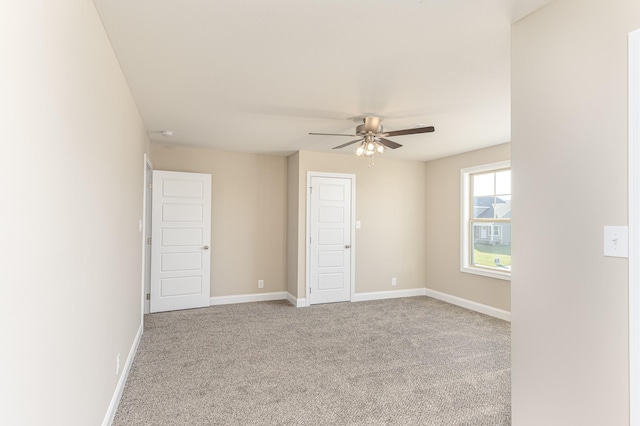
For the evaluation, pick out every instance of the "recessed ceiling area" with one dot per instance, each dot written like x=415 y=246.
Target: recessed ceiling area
x=254 y=76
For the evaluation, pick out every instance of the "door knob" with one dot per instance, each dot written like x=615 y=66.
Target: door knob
x=206 y=247
x=347 y=246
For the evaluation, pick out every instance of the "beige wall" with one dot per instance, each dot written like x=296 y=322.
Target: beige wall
x=71 y=164
x=569 y=161
x=248 y=215
x=443 y=231
x=390 y=203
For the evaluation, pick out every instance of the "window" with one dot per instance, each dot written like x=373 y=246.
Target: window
x=486 y=220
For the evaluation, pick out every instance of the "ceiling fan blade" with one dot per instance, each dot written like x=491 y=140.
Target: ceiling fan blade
x=389 y=144
x=371 y=124
x=415 y=130
x=347 y=144
x=331 y=134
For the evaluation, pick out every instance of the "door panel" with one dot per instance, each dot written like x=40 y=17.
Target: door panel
x=330 y=244
x=182 y=237
x=182 y=188
x=181 y=212
x=181 y=262
x=330 y=259
x=327 y=237
x=170 y=287
x=330 y=214
x=181 y=229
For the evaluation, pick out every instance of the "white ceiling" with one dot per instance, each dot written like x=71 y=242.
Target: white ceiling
x=257 y=76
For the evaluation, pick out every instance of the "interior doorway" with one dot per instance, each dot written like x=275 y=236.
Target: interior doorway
x=330 y=236
x=180 y=241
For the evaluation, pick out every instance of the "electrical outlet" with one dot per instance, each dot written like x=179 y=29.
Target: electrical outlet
x=117 y=364
x=394 y=281
x=260 y=283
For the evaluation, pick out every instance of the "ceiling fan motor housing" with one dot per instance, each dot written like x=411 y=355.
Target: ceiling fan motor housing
x=363 y=130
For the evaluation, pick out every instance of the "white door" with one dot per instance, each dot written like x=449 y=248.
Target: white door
x=180 y=240
x=330 y=240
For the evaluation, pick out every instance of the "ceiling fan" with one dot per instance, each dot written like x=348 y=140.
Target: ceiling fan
x=373 y=138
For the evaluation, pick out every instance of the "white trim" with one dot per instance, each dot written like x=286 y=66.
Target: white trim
x=298 y=303
x=147 y=166
x=352 y=177
x=363 y=297
x=248 y=298
x=464 y=220
x=634 y=228
x=469 y=304
x=117 y=394
x=487 y=167
x=486 y=273
x=392 y=294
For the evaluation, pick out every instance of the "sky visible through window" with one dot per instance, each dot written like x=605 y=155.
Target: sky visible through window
x=498 y=183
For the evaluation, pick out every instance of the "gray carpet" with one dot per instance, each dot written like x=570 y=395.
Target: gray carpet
x=412 y=361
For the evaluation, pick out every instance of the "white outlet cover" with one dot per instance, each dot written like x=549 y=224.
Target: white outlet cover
x=616 y=241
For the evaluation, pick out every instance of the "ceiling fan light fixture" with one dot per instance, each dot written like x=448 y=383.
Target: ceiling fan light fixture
x=368 y=148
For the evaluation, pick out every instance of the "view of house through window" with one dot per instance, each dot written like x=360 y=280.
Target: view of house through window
x=490 y=220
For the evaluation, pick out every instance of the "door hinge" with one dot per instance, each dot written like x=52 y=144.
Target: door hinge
x=149 y=240
x=150 y=185
x=148 y=296
x=309 y=290
x=311 y=190
x=310 y=238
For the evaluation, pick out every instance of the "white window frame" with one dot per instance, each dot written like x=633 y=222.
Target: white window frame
x=465 y=238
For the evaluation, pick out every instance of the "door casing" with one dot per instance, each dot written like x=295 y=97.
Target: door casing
x=146 y=233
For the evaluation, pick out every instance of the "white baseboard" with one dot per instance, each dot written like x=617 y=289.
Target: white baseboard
x=392 y=294
x=115 y=399
x=246 y=298
x=298 y=303
x=362 y=297
x=469 y=304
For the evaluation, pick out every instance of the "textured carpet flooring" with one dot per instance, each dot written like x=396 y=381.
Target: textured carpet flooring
x=412 y=361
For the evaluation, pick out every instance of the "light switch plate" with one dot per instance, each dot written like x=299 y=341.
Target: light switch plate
x=358 y=224
x=616 y=241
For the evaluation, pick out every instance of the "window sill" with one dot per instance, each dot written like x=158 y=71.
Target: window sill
x=486 y=273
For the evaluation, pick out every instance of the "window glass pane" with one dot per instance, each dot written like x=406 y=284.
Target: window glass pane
x=483 y=184
x=502 y=207
x=483 y=207
x=491 y=245
x=503 y=182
